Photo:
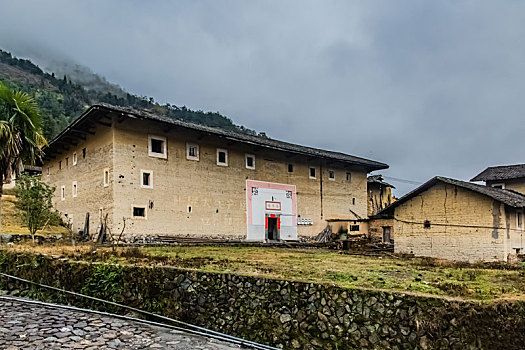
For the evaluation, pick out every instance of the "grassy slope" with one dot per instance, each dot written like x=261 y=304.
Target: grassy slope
x=356 y=271
x=12 y=222
x=416 y=275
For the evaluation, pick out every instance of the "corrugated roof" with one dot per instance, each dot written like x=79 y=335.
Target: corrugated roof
x=261 y=141
x=511 y=198
x=504 y=172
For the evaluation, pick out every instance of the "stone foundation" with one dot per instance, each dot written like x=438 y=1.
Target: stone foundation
x=292 y=315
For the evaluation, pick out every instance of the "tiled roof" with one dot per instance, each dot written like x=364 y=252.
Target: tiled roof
x=378 y=179
x=261 y=141
x=504 y=172
x=511 y=198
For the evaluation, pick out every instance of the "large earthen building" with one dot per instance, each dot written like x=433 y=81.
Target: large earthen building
x=144 y=174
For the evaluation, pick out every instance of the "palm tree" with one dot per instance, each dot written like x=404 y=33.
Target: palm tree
x=21 y=137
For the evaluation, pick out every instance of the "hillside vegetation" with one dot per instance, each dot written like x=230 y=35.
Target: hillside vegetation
x=61 y=100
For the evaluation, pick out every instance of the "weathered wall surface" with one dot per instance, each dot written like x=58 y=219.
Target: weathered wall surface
x=88 y=173
x=216 y=194
x=376 y=228
x=379 y=197
x=517 y=185
x=464 y=225
x=292 y=315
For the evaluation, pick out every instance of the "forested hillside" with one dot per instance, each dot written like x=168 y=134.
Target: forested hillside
x=62 y=100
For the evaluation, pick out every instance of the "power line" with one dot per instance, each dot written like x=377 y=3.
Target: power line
x=411 y=182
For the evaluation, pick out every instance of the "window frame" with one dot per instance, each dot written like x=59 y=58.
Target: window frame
x=225 y=158
x=106 y=183
x=145 y=207
x=496 y=185
x=63 y=192
x=290 y=166
x=190 y=157
x=75 y=158
x=246 y=156
x=310 y=173
x=150 y=172
x=348 y=176
x=164 y=154
x=330 y=173
x=74 y=189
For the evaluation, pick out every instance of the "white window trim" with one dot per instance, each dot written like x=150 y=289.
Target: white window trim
x=164 y=154
x=63 y=192
x=188 y=146
x=106 y=184
x=74 y=189
x=145 y=217
x=150 y=172
x=310 y=173
x=347 y=179
x=75 y=158
x=499 y=184
x=246 y=161
x=331 y=178
x=226 y=153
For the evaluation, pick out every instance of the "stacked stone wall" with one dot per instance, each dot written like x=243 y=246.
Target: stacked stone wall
x=291 y=315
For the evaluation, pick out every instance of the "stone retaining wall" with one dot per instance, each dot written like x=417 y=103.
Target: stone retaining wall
x=292 y=315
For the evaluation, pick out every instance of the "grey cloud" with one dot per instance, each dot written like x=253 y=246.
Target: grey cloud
x=428 y=87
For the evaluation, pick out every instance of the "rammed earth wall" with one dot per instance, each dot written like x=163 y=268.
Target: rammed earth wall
x=292 y=315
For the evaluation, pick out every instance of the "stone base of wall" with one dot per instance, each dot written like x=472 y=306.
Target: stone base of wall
x=292 y=315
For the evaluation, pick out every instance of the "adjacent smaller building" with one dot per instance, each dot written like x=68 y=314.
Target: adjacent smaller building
x=509 y=177
x=379 y=197
x=456 y=220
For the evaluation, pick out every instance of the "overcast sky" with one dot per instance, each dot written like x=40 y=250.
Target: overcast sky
x=429 y=87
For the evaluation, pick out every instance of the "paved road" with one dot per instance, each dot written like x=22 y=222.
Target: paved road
x=31 y=326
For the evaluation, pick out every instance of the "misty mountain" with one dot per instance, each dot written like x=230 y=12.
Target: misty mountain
x=84 y=76
x=64 y=90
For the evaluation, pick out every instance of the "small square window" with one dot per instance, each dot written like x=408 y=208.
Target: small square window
x=63 y=193
x=157 y=146
x=106 y=177
x=250 y=161
x=139 y=212
x=146 y=179
x=312 y=173
x=192 y=151
x=290 y=168
x=354 y=228
x=353 y=201
x=74 y=189
x=426 y=224
x=331 y=175
x=222 y=157
x=348 y=177
x=75 y=158
x=83 y=153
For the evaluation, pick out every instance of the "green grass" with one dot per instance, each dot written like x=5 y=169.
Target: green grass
x=393 y=273
x=354 y=271
x=12 y=222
